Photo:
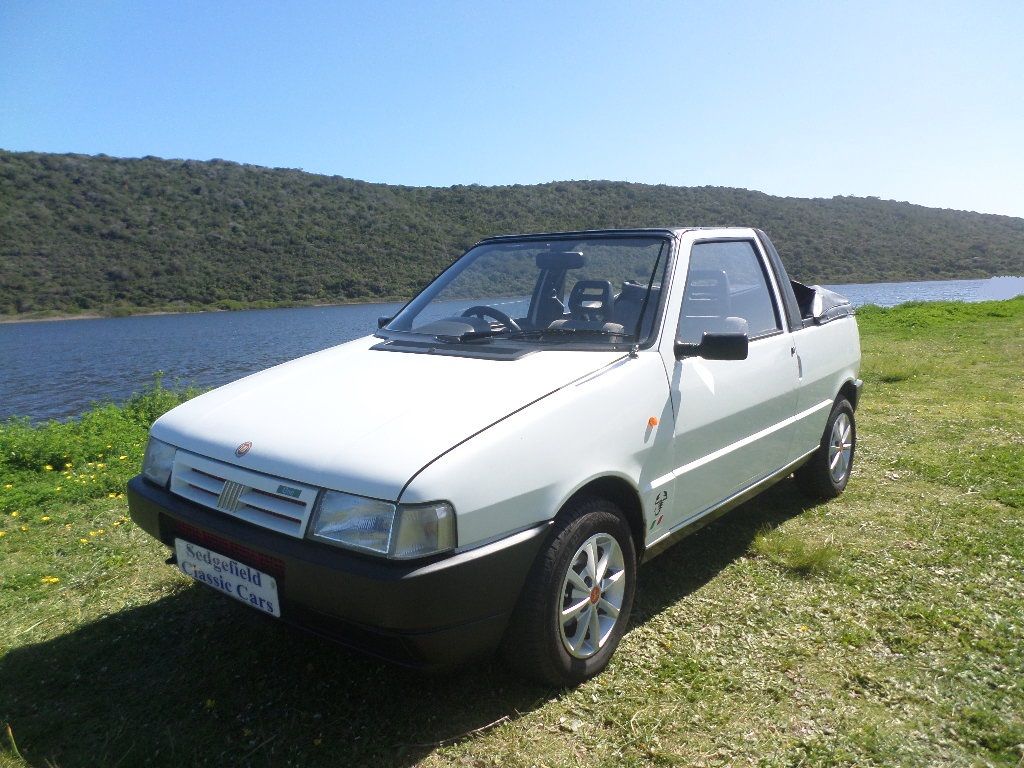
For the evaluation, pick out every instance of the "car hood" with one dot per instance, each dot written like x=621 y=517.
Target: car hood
x=361 y=420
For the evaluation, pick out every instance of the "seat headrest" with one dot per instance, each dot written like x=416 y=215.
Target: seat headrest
x=591 y=300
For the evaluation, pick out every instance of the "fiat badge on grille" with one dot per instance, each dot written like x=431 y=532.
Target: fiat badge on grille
x=243 y=449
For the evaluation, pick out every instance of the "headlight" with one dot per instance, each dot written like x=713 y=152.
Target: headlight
x=400 y=532
x=355 y=521
x=156 y=466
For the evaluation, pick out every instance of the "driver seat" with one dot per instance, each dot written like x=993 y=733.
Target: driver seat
x=591 y=308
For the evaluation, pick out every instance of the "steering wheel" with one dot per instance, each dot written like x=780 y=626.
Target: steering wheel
x=484 y=312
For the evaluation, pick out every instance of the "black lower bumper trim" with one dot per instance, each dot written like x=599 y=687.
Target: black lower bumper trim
x=437 y=613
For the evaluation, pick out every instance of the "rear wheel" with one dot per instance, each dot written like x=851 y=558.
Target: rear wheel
x=575 y=606
x=826 y=474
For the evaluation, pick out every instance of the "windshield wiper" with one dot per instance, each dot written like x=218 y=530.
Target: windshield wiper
x=562 y=331
x=536 y=333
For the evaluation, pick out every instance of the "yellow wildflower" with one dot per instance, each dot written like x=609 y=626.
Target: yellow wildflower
x=8 y=486
x=24 y=527
x=100 y=465
x=111 y=495
x=68 y=465
x=120 y=495
x=45 y=518
x=49 y=580
x=48 y=468
x=804 y=628
x=57 y=488
x=83 y=541
x=2 y=534
x=15 y=513
x=121 y=458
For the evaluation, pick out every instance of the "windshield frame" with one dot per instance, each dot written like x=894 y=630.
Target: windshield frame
x=665 y=270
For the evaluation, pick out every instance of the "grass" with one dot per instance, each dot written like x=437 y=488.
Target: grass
x=883 y=628
x=794 y=551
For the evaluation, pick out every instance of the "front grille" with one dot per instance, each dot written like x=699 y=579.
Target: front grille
x=229 y=495
x=271 y=502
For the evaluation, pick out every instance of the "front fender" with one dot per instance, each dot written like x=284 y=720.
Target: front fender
x=521 y=470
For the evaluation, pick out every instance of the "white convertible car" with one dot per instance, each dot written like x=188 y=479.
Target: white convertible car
x=490 y=467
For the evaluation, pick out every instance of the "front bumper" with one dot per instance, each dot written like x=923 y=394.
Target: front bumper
x=434 y=614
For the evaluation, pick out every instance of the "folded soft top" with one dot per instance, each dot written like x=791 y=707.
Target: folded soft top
x=820 y=305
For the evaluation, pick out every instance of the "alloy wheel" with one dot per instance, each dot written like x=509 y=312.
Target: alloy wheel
x=591 y=596
x=840 y=448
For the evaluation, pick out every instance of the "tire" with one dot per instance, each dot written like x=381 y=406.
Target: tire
x=826 y=474
x=538 y=643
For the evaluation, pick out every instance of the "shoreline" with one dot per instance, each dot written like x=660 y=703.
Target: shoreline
x=30 y=318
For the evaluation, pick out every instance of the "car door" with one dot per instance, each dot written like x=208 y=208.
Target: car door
x=731 y=415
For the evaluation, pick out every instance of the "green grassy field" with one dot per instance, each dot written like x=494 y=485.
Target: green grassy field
x=883 y=628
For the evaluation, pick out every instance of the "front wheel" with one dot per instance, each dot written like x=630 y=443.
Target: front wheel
x=575 y=606
x=826 y=474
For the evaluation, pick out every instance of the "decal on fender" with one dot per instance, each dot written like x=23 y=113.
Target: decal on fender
x=659 y=504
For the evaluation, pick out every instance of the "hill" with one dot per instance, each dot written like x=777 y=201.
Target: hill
x=101 y=234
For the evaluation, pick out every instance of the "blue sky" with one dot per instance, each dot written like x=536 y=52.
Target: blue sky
x=903 y=100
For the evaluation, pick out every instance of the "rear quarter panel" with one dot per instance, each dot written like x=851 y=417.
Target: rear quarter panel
x=829 y=357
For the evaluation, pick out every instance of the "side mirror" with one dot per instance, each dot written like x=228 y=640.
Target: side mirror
x=729 y=343
x=715 y=346
x=382 y=321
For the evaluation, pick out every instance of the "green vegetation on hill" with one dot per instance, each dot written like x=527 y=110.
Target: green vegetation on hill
x=99 y=234
x=879 y=629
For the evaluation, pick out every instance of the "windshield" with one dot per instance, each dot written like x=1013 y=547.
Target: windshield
x=591 y=290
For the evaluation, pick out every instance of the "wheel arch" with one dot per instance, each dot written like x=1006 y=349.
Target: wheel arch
x=851 y=391
x=624 y=495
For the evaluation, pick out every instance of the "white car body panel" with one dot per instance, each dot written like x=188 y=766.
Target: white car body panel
x=514 y=474
x=823 y=372
x=718 y=410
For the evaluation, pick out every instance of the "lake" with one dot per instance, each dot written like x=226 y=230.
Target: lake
x=56 y=369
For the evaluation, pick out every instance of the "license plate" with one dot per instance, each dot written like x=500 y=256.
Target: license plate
x=254 y=588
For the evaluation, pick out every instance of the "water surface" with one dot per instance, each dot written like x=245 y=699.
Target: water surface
x=57 y=369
